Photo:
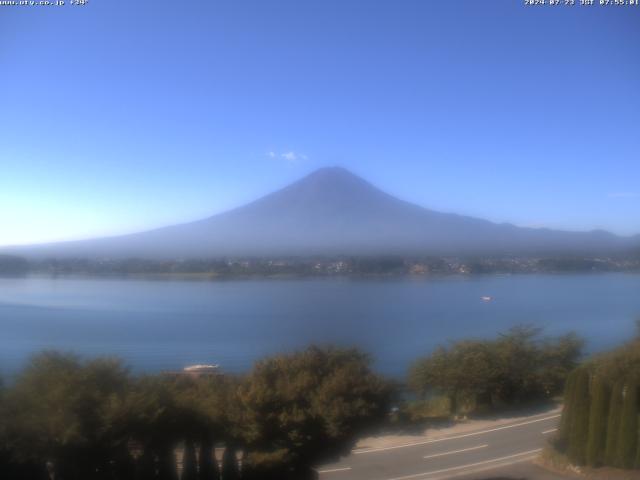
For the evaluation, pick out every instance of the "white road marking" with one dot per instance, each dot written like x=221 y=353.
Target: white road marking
x=426 y=442
x=551 y=430
x=332 y=470
x=455 y=451
x=484 y=468
x=462 y=467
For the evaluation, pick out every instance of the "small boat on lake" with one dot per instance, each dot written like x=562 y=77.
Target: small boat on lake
x=201 y=369
x=196 y=371
x=486 y=299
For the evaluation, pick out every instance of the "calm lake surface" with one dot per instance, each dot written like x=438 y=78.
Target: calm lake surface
x=158 y=325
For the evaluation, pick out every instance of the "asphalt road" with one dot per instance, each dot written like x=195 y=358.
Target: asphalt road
x=483 y=451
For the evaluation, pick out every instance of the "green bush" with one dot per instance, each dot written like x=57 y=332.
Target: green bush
x=91 y=420
x=312 y=403
x=517 y=367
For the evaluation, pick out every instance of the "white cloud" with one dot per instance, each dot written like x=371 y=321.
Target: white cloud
x=624 y=195
x=289 y=156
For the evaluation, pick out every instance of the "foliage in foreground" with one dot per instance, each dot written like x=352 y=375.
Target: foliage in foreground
x=517 y=367
x=93 y=420
x=600 y=421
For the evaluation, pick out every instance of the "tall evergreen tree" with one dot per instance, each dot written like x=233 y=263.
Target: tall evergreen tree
x=578 y=434
x=613 y=423
x=565 y=420
x=628 y=432
x=598 y=421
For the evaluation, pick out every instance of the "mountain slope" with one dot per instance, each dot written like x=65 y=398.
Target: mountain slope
x=332 y=211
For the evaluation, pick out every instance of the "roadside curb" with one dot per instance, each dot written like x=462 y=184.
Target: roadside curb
x=585 y=473
x=426 y=439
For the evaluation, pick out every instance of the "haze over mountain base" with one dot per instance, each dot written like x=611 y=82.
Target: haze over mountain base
x=334 y=212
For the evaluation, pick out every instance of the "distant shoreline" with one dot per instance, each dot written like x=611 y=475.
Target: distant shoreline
x=207 y=277
x=386 y=266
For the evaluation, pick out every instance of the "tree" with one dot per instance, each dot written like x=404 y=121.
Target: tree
x=519 y=355
x=620 y=368
x=598 y=422
x=567 y=411
x=189 y=462
x=613 y=423
x=465 y=371
x=10 y=265
x=207 y=466
x=58 y=411
x=578 y=435
x=518 y=366
x=5 y=456
x=155 y=414
x=310 y=405
x=558 y=357
x=628 y=430
x=163 y=412
x=230 y=464
x=272 y=465
x=219 y=415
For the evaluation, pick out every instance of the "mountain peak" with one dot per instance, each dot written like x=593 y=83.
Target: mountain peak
x=333 y=171
x=333 y=179
x=335 y=186
x=333 y=174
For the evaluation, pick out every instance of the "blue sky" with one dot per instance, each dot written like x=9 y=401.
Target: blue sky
x=120 y=116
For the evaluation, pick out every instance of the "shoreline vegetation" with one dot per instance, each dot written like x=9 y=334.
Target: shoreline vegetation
x=315 y=267
x=92 y=419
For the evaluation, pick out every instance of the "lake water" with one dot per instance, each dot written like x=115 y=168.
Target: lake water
x=158 y=325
